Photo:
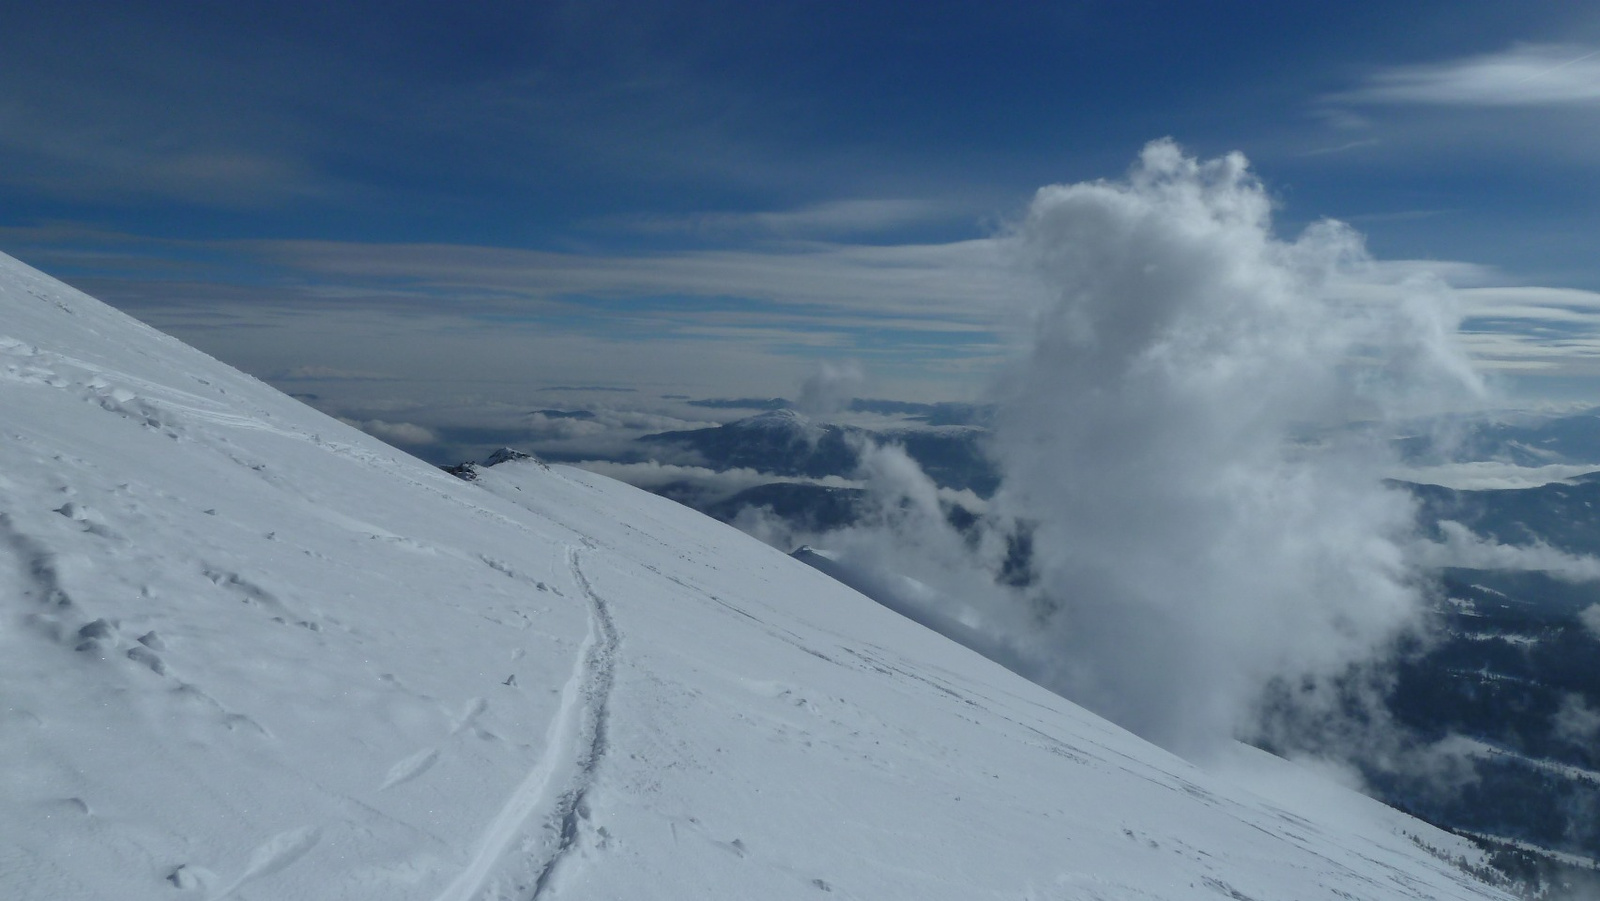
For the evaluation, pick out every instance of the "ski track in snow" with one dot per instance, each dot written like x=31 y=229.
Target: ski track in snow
x=559 y=784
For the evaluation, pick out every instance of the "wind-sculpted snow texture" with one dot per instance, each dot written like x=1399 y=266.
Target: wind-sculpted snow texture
x=248 y=652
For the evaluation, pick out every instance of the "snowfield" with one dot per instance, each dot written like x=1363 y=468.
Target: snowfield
x=248 y=652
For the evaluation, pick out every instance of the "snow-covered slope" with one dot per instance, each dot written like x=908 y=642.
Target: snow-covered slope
x=247 y=652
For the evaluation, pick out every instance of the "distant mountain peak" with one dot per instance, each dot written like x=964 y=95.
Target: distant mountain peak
x=506 y=455
x=787 y=420
x=470 y=471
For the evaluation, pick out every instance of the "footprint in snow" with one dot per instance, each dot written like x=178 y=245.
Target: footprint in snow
x=199 y=702
x=91 y=520
x=145 y=657
x=99 y=638
x=409 y=768
x=275 y=854
x=92 y=637
x=246 y=591
x=469 y=716
x=188 y=878
x=74 y=806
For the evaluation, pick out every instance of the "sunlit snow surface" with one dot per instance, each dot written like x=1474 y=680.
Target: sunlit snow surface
x=248 y=652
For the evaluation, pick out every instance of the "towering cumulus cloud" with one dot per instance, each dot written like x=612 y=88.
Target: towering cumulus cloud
x=1191 y=546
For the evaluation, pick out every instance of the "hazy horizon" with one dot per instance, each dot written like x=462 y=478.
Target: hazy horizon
x=425 y=217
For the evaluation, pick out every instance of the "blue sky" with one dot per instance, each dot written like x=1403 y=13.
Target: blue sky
x=396 y=205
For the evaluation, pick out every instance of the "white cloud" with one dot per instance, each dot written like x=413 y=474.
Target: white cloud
x=830 y=387
x=1590 y=618
x=546 y=428
x=1505 y=327
x=395 y=432
x=838 y=217
x=1523 y=75
x=1195 y=554
x=714 y=483
x=329 y=373
x=1462 y=548
x=1480 y=475
x=1188 y=552
x=1530 y=302
x=1576 y=721
x=961 y=284
x=1398 y=273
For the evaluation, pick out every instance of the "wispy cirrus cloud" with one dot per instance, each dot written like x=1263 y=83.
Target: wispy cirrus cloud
x=327 y=373
x=832 y=218
x=1531 y=329
x=952 y=283
x=1512 y=329
x=1522 y=75
x=935 y=310
x=1494 y=131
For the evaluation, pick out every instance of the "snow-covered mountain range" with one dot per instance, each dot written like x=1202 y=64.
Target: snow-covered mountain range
x=249 y=652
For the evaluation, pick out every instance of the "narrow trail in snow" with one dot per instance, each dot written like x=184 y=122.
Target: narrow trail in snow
x=573 y=808
x=558 y=786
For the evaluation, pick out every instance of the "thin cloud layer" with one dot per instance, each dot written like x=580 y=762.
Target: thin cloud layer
x=1535 y=330
x=1480 y=475
x=1523 y=75
x=934 y=311
x=933 y=283
x=831 y=219
x=402 y=433
x=1461 y=548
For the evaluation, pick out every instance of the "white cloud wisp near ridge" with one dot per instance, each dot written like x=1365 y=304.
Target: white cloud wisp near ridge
x=1522 y=75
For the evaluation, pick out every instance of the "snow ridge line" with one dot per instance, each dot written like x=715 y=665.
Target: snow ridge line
x=574 y=745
